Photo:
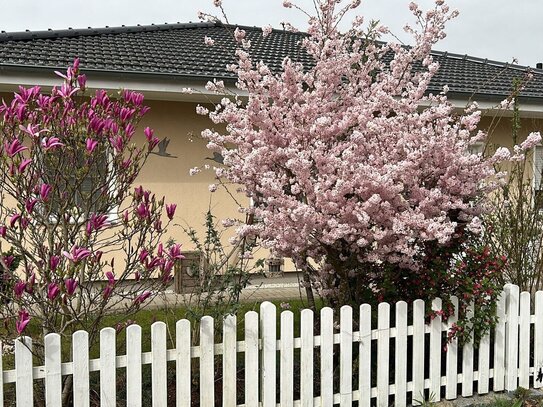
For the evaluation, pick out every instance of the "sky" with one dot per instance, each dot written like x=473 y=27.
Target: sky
x=495 y=29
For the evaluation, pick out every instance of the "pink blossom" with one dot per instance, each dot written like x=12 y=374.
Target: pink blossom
x=239 y=34
x=267 y=30
x=531 y=141
x=22 y=321
x=209 y=41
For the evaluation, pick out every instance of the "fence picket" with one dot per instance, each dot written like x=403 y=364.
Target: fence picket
x=327 y=357
x=207 y=362
x=467 y=360
x=229 y=357
x=400 y=366
x=499 y=346
x=524 y=341
x=80 y=352
x=383 y=352
x=158 y=365
x=268 y=324
x=251 y=359
x=418 y=351
x=306 y=356
x=133 y=366
x=1 y=374
x=484 y=365
x=452 y=357
x=23 y=364
x=108 y=394
x=53 y=374
x=287 y=359
x=538 y=340
x=435 y=351
x=346 y=357
x=511 y=338
x=364 y=372
x=183 y=371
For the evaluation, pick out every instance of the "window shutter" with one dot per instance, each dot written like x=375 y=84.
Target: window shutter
x=538 y=167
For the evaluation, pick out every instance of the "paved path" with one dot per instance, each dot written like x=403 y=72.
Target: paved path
x=260 y=289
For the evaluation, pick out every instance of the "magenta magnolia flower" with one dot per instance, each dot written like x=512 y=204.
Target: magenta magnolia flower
x=14 y=148
x=45 y=190
x=22 y=321
x=142 y=297
x=53 y=262
x=77 y=254
x=107 y=291
x=13 y=219
x=29 y=204
x=110 y=277
x=71 y=285
x=50 y=143
x=25 y=163
x=91 y=145
x=143 y=255
x=96 y=222
x=142 y=210
x=175 y=252
x=170 y=210
x=3 y=230
x=53 y=291
x=19 y=288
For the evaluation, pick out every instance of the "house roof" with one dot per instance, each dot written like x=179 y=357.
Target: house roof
x=178 y=50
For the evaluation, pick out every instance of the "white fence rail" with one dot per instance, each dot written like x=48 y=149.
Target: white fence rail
x=398 y=360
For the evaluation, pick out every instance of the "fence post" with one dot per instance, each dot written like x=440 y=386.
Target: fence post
x=452 y=357
x=183 y=362
x=133 y=366
x=400 y=366
x=306 y=363
x=108 y=396
x=346 y=356
x=418 y=351
x=435 y=351
x=80 y=352
x=383 y=353
x=53 y=374
x=251 y=359
x=159 y=388
x=364 y=373
x=524 y=340
x=229 y=356
x=499 y=345
x=268 y=323
x=467 y=360
x=207 y=363
x=287 y=359
x=538 y=340
x=511 y=339
x=24 y=386
x=327 y=357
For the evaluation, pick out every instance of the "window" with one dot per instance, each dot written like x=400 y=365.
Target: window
x=477 y=148
x=86 y=185
x=537 y=176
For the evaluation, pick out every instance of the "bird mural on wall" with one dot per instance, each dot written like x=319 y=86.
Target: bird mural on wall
x=218 y=158
x=162 y=147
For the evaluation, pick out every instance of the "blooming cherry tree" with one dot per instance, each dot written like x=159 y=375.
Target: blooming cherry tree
x=351 y=163
x=83 y=239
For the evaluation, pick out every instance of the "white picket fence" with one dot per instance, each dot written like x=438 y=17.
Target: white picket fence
x=271 y=367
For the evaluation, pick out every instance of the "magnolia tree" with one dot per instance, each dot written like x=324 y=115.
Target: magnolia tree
x=351 y=163
x=82 y=239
